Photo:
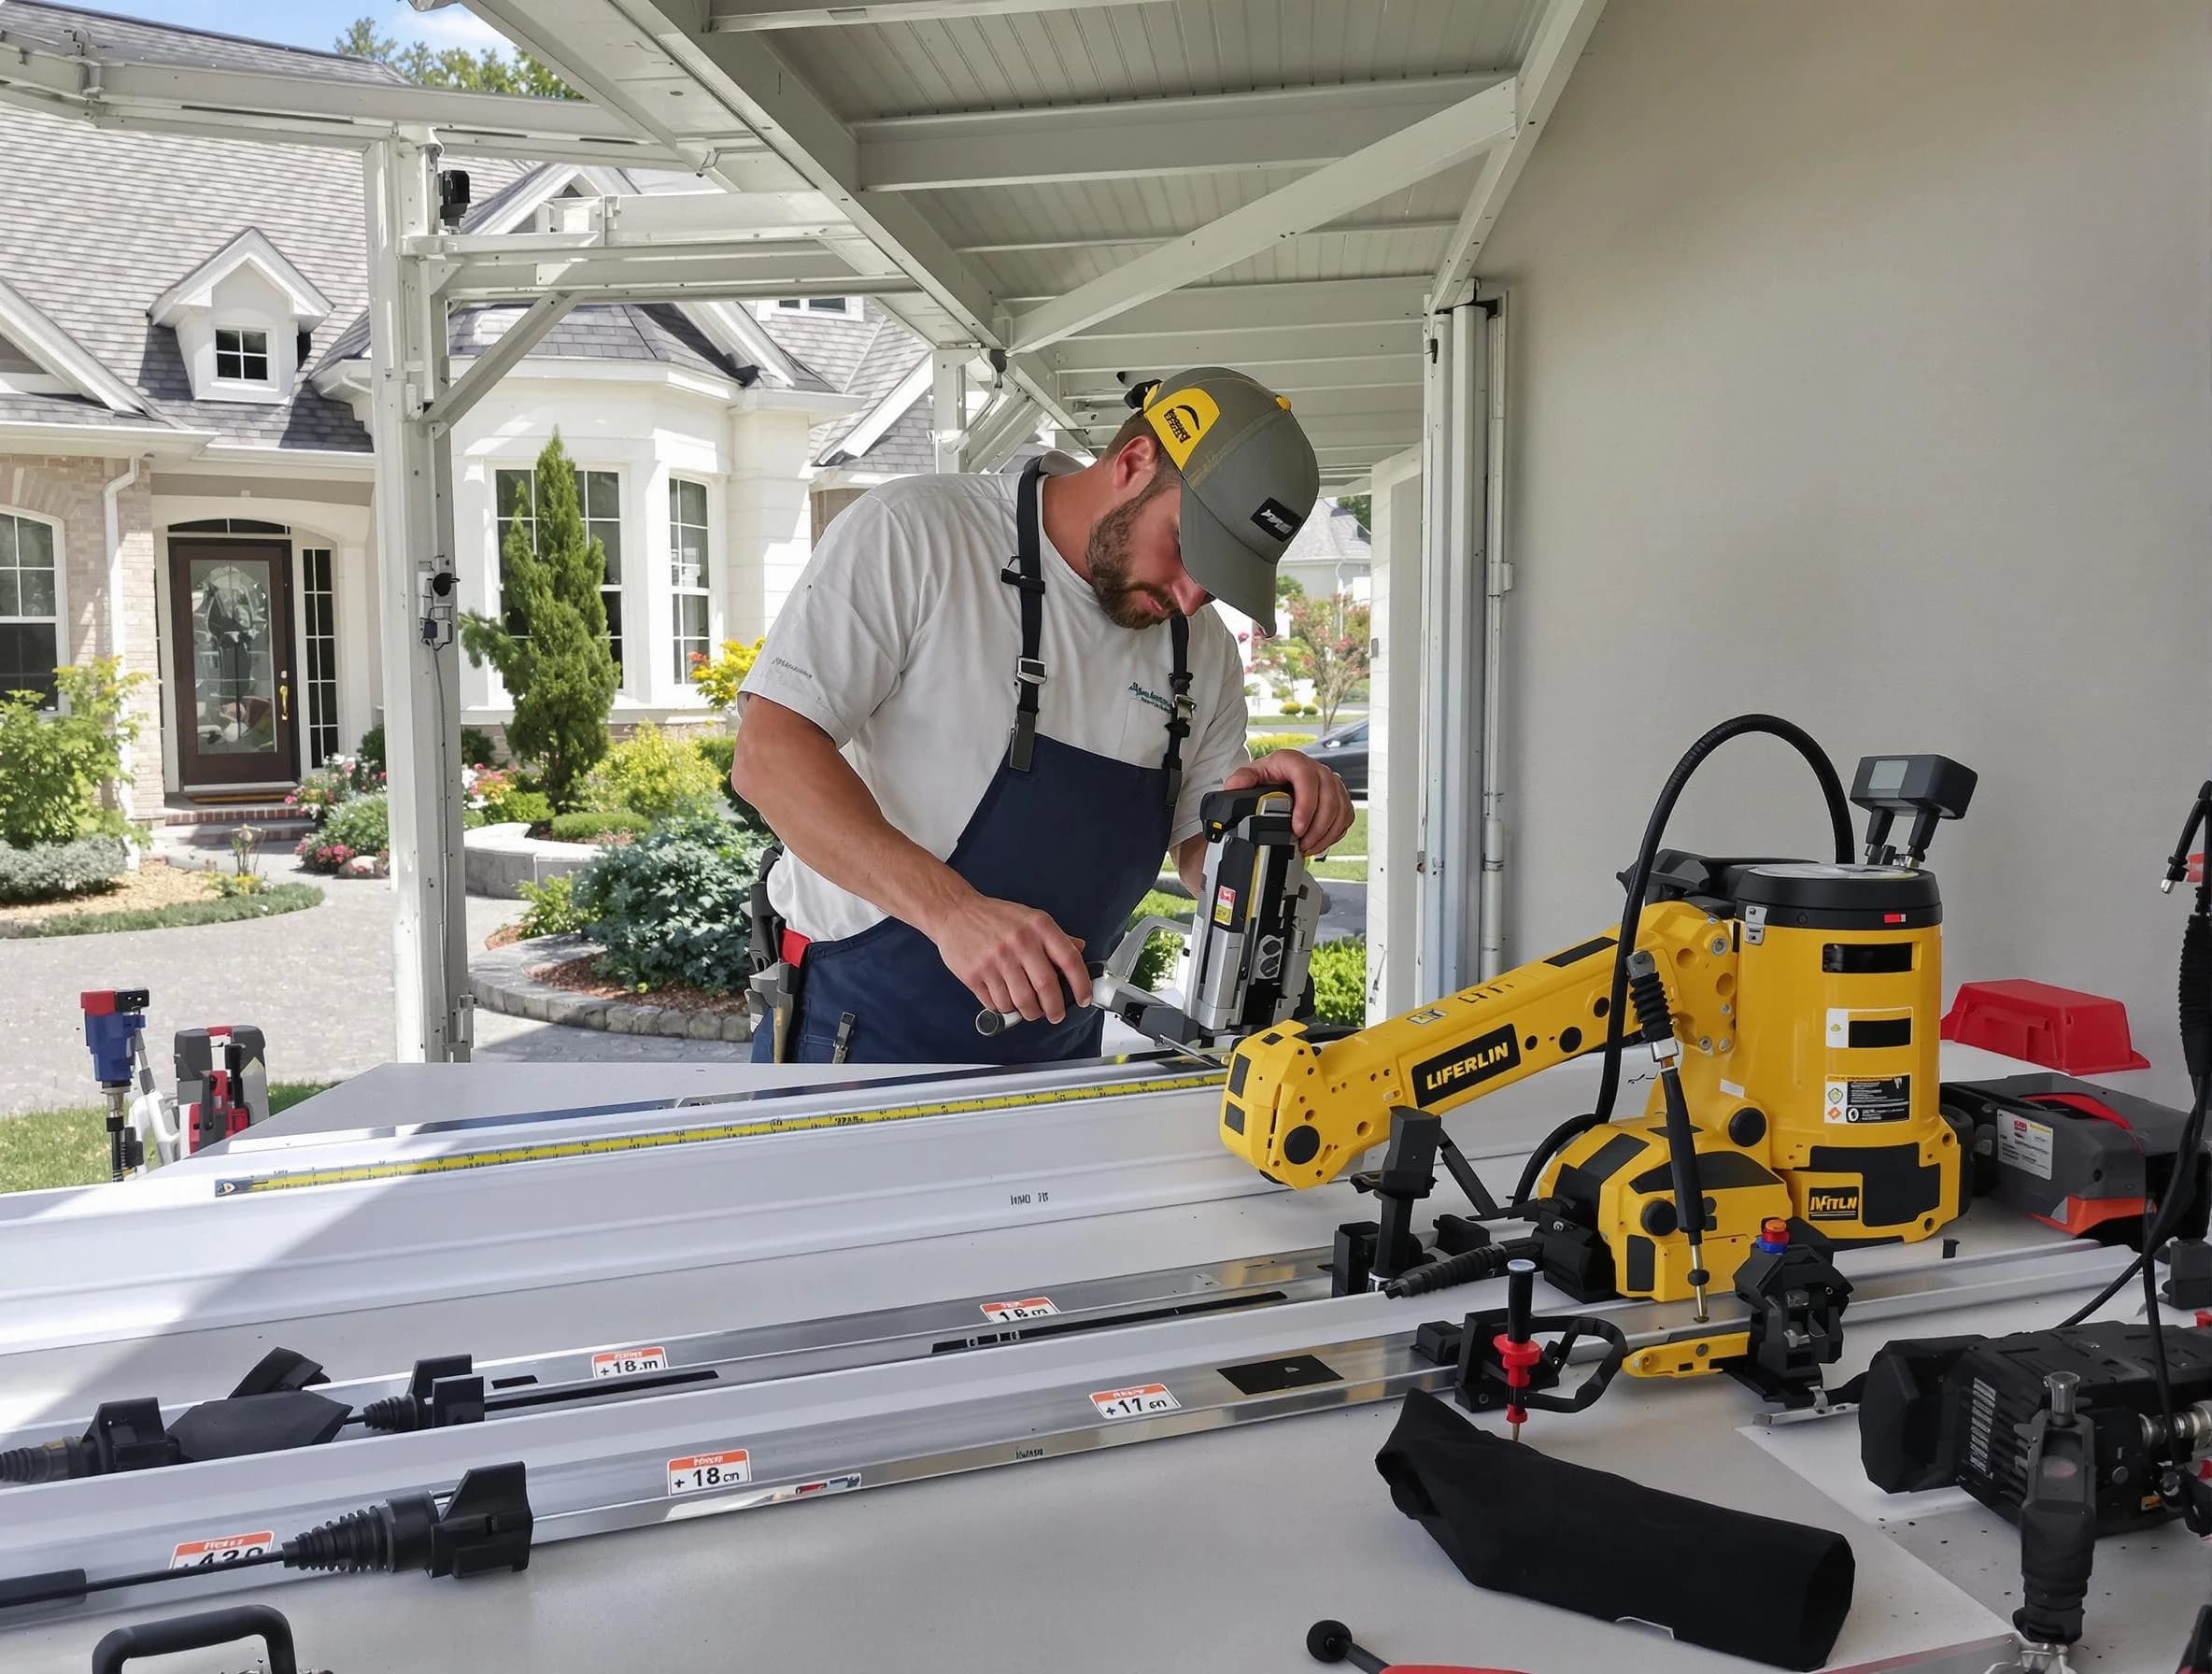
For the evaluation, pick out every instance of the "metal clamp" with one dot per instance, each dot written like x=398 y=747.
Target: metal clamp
x=1029 y=669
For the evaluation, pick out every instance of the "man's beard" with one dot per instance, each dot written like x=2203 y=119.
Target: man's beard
x=1123 y=601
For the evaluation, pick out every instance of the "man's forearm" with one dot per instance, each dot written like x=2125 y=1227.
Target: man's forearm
x=822 y=812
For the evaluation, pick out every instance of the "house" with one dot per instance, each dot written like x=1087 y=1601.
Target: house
x=186 y=475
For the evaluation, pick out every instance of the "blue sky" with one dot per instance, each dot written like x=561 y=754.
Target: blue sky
x=309 y=22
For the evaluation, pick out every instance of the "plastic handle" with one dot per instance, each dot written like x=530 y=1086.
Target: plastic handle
x=199 y=1632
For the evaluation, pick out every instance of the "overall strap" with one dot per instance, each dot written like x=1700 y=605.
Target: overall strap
x=1181 y=707
x=1024 y=572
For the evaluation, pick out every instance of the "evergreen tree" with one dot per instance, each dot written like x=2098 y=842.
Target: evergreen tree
x=551 y=651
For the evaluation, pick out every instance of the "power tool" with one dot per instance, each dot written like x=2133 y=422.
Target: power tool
x=1791 y=1007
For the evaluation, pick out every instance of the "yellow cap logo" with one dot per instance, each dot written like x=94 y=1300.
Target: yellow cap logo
x=1181 y=420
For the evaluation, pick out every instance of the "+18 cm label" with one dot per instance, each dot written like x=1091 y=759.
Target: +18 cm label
x=699 y=1472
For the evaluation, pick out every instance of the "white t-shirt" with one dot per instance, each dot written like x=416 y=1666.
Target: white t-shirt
x=900 y=643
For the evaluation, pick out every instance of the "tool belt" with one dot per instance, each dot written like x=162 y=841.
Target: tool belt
x=776 y=953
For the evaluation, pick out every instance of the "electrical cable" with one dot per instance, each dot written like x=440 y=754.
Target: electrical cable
x=1640 y=884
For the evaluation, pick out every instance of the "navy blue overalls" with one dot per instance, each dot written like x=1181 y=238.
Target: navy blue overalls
x=1073 y=834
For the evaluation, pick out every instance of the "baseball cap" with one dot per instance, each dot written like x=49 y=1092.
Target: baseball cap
x=1249 y=480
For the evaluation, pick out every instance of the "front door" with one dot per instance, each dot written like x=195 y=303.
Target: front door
x=231 y=604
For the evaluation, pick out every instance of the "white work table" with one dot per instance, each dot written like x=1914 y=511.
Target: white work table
x=1212 y=1551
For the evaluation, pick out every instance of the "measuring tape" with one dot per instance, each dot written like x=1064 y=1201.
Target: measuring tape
x=554 y=1151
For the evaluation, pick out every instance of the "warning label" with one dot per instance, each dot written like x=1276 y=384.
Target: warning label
x=2024 y=1144
x=1887 y=1099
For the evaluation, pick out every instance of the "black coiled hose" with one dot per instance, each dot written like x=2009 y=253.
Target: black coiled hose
x=1640 y=884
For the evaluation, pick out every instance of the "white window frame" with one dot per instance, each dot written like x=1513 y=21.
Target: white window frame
x=678 y=588
x=60 y=620
x=812 y=307
x=632 y=675
x=241 y=379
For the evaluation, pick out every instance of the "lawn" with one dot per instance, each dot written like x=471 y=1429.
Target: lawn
x=51 y=1148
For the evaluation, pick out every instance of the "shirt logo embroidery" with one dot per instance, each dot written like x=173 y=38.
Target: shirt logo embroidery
x=1154 y=698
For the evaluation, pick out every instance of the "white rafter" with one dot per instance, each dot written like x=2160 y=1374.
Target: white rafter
x=741 y=15
x=1452 y=136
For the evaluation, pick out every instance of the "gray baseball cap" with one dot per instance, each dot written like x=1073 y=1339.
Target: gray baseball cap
x=1249 y=480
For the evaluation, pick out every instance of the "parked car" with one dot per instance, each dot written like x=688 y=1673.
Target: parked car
x=1345 y=750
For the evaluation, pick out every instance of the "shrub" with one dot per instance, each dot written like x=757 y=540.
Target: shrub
x=653 y=774
x=552 y=909
x=720 y=748
x=47 y=870
x=721 y=678
x=230 y=885
x=268 y=903
x=551 y=651
x=1160 y=950
x=1340 y=973
x=371 y=753
x=358 y=825
x=497 y=794
x=54 y=763
x=1266 y=742
x=476 y=748
x=675 y=906
x=589 y=828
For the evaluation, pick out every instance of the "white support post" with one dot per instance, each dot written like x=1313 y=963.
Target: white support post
x=948 y=406
x=414 y=541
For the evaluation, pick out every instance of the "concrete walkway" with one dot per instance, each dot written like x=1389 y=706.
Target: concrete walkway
x=318 y=982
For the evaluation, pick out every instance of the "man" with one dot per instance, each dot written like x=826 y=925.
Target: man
x=993 y=704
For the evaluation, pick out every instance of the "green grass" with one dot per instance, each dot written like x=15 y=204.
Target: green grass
x=282 y=898
x=1354 y=842
x=51 y=1148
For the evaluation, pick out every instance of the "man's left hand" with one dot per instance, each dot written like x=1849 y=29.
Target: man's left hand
x=1320 y=806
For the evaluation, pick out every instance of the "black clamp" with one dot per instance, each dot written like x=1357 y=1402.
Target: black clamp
x=1796 y=1299
x=446 y=1390
x=1482 y=1384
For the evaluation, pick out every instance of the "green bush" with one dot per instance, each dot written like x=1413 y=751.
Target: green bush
x=476 y=748
x=1340 y=973
x=552 y=909
x=499 y=796
x=653 y=774
x=1159 y=953
x=1265 y=742
x=280 y=897
x=675 y=906
x=720 y=748
x=53 y=764
x=371 y=754
x=360 y=824
x=589 y=828
x=49 y=870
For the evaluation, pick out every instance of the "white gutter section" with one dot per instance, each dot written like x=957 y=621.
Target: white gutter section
x=112 y=515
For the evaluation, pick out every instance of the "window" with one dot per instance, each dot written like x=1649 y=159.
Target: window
x=846 y=307
x=688 y=577
x=599 y=495
x=241 y=355
x=29 y=609
x=322 y=654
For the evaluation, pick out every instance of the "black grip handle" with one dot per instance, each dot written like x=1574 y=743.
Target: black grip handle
x=199 y=1632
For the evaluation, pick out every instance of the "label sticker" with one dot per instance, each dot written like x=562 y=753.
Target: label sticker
x=1831 y=1203
x=1135 y=1401
x=1852 y=1102
x=1426 y=1017
x=701 y=1472
x=999 y=1314
x=1463 y=1067
x=622 y=1362
x=1224 y=904
x=225 y=1549
x=1277 y=518
x=1181 y=420
x=2024 y=1144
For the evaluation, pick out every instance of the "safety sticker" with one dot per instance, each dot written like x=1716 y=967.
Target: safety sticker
x=700 y=1472
x=1224 y=904
x=999 y=1313
x=225 y=1549
x=1135 y=1401
x=622 y=1362
x=2024 y=1144
x=1853 y=1102
x=1430 y=1016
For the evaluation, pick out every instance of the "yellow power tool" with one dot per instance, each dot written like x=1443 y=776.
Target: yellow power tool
x=1802 y=1003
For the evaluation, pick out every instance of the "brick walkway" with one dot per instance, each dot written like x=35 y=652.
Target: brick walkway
x=316 y=983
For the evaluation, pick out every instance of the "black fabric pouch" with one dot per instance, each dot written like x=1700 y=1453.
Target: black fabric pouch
x=1516 y=1521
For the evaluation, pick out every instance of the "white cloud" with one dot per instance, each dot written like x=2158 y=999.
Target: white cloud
x=449 y=26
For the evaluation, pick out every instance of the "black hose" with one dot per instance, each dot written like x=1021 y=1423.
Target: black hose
x=1640 y=884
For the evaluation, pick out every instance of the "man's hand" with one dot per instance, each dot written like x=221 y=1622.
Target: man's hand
x=1320 y=806
x=1011 y=957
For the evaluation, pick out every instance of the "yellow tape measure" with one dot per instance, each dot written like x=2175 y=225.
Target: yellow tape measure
x=553 y=1151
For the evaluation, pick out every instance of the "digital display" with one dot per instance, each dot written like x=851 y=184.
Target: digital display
x=1885 y=777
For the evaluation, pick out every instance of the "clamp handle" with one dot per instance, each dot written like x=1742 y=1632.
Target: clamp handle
x=202 y=1632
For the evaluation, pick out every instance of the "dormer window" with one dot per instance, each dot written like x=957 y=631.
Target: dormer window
x=241 y=355
x=835 y=307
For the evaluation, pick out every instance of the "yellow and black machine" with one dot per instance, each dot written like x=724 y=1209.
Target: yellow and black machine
x=1793 y=1009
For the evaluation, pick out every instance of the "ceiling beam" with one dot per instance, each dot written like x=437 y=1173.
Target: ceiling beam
x=740 y=15
x=1295 y=127
x=1142 y=240
x=1156 y=356
x=1086 y=388
x=1560 y=37
x=780 y=275
x=1452 y=136
x=1286 y=305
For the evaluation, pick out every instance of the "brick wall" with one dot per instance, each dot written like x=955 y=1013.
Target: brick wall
x=68 y=490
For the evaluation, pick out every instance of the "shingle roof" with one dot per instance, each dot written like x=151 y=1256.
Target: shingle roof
x=169 y=44
x=1332 y=534
x=865 y=357
x=65 y=409
x=654 y=331
x=905 y=449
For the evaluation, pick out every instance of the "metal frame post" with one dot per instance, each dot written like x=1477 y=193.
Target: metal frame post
x=948 y=406
x=414 y=502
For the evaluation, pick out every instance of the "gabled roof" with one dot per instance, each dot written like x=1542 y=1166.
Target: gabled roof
x=870 y=357
x=249 y=249
x=168 y=43
x=643 y=333
x=62 y=355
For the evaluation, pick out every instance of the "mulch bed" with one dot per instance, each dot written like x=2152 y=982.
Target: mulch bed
x=505 y=936
x=581 y=976
x=155 y=884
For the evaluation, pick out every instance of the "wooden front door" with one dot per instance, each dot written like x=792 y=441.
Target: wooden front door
x=237 y=693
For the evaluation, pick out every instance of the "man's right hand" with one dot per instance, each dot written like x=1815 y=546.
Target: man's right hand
x=1011 y=957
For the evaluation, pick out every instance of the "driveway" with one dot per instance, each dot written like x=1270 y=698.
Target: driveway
x=316 y=983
